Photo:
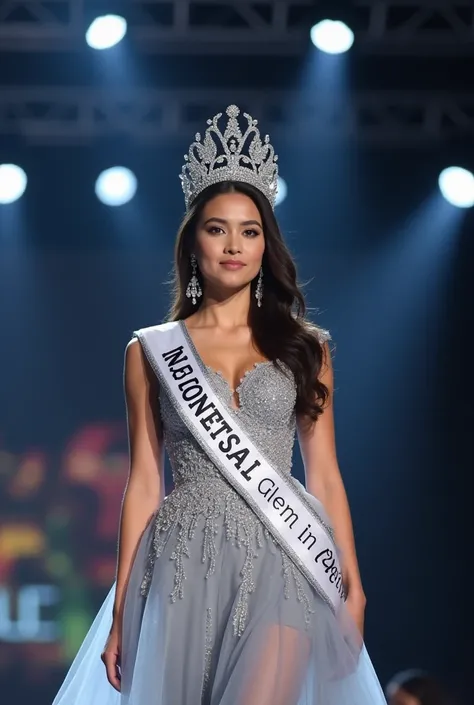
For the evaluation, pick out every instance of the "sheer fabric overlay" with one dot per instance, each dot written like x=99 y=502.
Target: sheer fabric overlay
x=215 y=612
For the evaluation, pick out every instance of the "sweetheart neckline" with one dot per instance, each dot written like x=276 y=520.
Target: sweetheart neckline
x=219 y=374
x=246 y=374
x=238 y=389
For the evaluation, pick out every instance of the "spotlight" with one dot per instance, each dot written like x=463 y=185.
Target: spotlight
x=457 y=186
x=106 y=31
x=282 y=191
x=332 y=36
x=116 y=186
x=13 y=182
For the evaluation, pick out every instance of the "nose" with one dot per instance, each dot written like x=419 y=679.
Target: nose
x=232 y=249
x=232 y=245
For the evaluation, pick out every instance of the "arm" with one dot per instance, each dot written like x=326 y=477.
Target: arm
x=145 y=486
x=324 y=481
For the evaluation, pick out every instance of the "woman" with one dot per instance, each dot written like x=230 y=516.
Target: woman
x=229 y=590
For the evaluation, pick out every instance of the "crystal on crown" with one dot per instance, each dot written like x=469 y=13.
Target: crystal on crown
x=230 y=156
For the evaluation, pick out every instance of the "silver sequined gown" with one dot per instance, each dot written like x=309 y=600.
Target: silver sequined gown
x=215 y=612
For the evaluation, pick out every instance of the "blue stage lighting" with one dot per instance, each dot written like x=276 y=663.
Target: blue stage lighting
x=13 y=181
x=106 y=31
x=332 y=36
x=116 y=186
x=281 y=192
x=457 y=186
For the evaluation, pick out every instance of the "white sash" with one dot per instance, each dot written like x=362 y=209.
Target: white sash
x=288 y=511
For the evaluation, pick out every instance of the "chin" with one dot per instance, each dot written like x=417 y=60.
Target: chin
x=230 y=285
x=235 y=278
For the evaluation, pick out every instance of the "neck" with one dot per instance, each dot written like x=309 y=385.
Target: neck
x=225 y=313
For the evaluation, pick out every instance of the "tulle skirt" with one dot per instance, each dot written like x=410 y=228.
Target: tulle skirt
x=186 y=652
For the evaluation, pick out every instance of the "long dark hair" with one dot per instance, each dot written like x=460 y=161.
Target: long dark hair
x=279 y=328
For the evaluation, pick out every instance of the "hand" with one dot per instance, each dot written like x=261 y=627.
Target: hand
x=111 y=657
x=355 y=605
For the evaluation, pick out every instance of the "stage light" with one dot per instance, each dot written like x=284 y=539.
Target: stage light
x=13 y=182
x=282 y=191
x=106 y=31
x=332 y=36
x=457 y=186
x=116 y=186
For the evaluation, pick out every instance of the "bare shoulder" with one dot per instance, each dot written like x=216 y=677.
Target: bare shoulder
x=138 y=372
x=134 y=349
x=134 y=356
x=321 y=334
x=324 y=339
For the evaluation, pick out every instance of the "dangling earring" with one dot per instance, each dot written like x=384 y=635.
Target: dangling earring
x=259 y=289
x=194 y=288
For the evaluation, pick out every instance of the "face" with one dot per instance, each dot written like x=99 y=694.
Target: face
x=401 y=697
x=229 y=242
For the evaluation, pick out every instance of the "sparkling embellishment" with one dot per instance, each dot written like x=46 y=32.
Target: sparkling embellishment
x=290 y=569
x=193 y=290
x=230 y=156
x=207 y=652
x=259 y=289
x=267 y=395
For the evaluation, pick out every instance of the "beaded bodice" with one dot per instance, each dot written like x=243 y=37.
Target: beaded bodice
x=266 y=397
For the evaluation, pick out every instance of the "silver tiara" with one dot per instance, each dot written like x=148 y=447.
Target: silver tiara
x=223 y=157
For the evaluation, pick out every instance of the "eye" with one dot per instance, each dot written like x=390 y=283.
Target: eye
x=251 y=233
x=214 y=229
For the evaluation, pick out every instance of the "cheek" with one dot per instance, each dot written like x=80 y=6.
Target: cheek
x=257 y=250
x=206 y=248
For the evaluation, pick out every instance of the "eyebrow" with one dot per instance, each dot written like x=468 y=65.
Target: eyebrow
x=226 y=222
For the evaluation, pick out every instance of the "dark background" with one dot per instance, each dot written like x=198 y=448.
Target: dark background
x=386 y=266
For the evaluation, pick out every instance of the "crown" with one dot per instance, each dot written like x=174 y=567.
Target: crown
x=226 y=157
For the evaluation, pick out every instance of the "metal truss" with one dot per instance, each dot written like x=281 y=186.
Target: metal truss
x=243 y=26
x=80 y=116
